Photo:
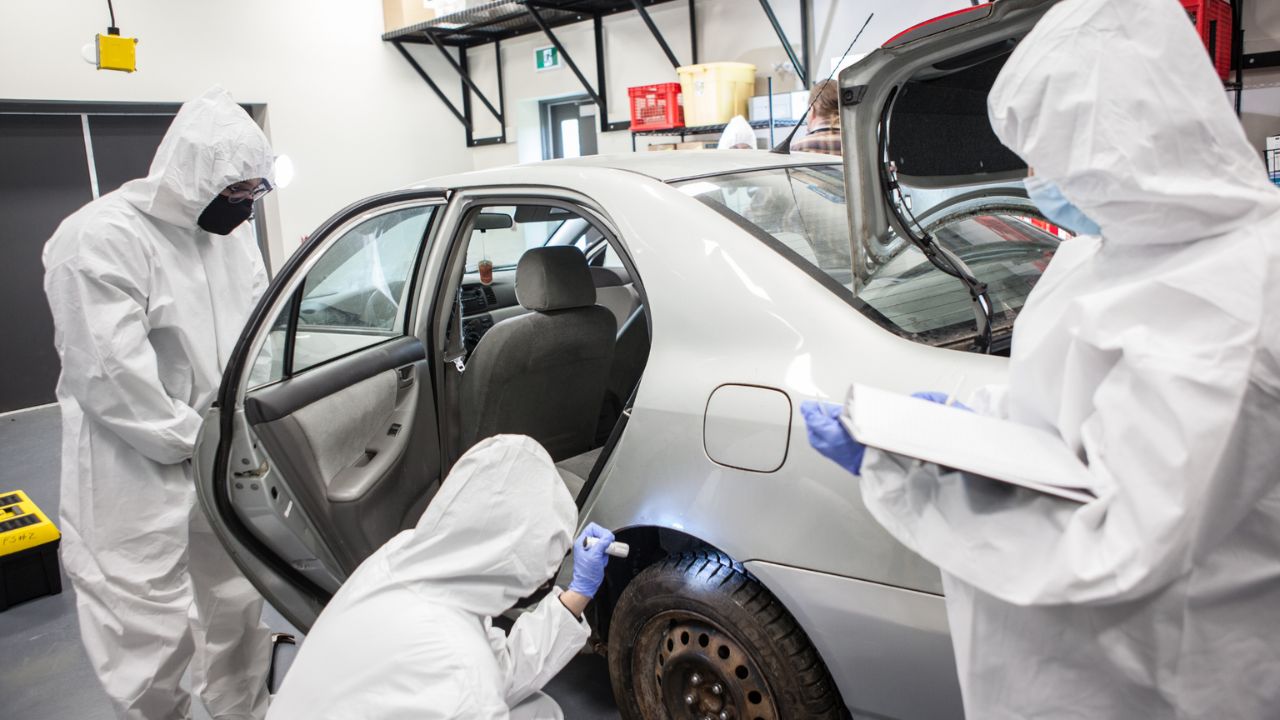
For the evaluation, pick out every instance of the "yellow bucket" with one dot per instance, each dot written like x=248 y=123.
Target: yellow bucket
x=715 y=92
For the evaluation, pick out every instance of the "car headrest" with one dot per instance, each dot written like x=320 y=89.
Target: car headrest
x=554 y=278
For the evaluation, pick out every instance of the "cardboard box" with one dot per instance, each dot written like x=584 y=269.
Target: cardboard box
x=799 y=103
x=397 y=14
x=448 y=7
x=658 y=147
x=783 y=107
x=697 y=145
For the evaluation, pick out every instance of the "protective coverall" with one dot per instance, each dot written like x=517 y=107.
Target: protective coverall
x=146 y=309
x=410 y=636
x=1153 y=351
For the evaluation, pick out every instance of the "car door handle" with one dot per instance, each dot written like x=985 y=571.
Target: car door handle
x=406 y=376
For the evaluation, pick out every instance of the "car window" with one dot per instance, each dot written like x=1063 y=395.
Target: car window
x=1004 y=251
x=611 y=259
x=802 y=208
x=353 y=297
x=802 y=211
x=529 y=226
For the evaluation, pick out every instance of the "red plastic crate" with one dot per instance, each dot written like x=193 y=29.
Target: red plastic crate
x=656 y=107
x=1213 y=19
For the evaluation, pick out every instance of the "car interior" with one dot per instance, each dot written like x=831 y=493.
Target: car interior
x=553 y=345
x=360 y=423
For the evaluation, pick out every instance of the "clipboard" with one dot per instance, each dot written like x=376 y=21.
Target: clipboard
x=990 y=447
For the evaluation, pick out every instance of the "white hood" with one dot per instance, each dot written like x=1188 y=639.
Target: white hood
x=496 y=532
x=1117 y=103
x=211 y=144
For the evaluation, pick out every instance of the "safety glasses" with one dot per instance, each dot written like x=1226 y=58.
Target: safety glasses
x=242 y=191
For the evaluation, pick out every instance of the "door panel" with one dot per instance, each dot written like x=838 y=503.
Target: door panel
x=325 y=428
x=343 y=440
x=338 y=412
x=285 y=398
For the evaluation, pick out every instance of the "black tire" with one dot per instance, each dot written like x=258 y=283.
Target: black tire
x=695 y=636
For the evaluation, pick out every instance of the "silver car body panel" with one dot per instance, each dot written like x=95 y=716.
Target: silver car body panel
x=888 y=649
x=725 y=309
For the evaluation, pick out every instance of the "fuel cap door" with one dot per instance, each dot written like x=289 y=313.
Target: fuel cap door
x=747 y=427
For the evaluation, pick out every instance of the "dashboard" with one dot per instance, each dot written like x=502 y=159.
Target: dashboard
x=484 y=306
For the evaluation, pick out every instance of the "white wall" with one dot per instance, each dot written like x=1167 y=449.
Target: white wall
x=342 y=103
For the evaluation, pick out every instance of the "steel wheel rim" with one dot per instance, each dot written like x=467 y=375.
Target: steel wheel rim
x=699 y=671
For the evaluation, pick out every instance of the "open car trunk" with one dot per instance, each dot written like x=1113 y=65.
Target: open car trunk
x=914 y=113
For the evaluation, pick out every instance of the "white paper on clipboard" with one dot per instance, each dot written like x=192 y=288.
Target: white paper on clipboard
x=986 y=446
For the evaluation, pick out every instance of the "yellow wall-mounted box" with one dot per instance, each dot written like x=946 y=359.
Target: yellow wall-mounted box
x=117 y=53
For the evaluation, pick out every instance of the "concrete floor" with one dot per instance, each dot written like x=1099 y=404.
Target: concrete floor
x=44 y=673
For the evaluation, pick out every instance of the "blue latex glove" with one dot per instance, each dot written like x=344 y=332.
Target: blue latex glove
x=828 y=436
x=941 y=399
x=588 y=564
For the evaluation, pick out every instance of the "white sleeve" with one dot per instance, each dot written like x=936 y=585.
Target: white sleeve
x=991 y=400
x=1156 y=443
x=99 y=305
x=540 y=644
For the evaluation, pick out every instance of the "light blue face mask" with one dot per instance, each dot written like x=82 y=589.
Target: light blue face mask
x=1058 y=209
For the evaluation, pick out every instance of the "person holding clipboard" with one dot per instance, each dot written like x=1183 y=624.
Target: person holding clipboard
x=1151 y=351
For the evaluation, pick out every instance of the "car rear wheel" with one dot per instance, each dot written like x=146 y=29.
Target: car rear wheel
x=695 y=637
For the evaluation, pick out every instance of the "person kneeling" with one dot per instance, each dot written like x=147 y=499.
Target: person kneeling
x=410 y=634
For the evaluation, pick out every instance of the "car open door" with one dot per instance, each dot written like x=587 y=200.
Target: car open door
x=921 y=160
x=323 y=442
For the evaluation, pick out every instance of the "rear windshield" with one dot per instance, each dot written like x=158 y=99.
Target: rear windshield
x=800 y=212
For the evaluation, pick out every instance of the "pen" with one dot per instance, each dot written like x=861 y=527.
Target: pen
x=616 y=549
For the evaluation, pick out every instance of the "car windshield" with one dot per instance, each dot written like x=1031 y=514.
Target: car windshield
x=511 y=230
x=801 y=213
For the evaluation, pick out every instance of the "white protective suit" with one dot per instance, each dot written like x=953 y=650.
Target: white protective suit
x=737 y=133
x=146 y=309
x=1152 y=352
x=410 y=636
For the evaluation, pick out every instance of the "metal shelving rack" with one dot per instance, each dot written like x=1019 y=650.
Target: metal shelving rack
x=453 y=35
x=683 y=132
x=494 y=22
x=1240 y=61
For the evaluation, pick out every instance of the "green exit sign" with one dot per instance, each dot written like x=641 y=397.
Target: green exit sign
x=547 y=58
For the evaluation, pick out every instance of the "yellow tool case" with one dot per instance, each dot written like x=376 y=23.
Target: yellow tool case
x=28 y=551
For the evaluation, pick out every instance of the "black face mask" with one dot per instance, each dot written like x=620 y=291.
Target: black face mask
x=222 y=216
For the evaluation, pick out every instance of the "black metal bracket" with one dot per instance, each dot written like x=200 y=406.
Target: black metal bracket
x=463 y=67
x=602 y=105
x=431 y=84
x=597 y=96
x=460 y=65
x=806 y=11
x=1258 y=61
x=568 y=59
x=657 y=34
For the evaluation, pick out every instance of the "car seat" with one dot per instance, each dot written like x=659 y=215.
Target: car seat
x=543 y=374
